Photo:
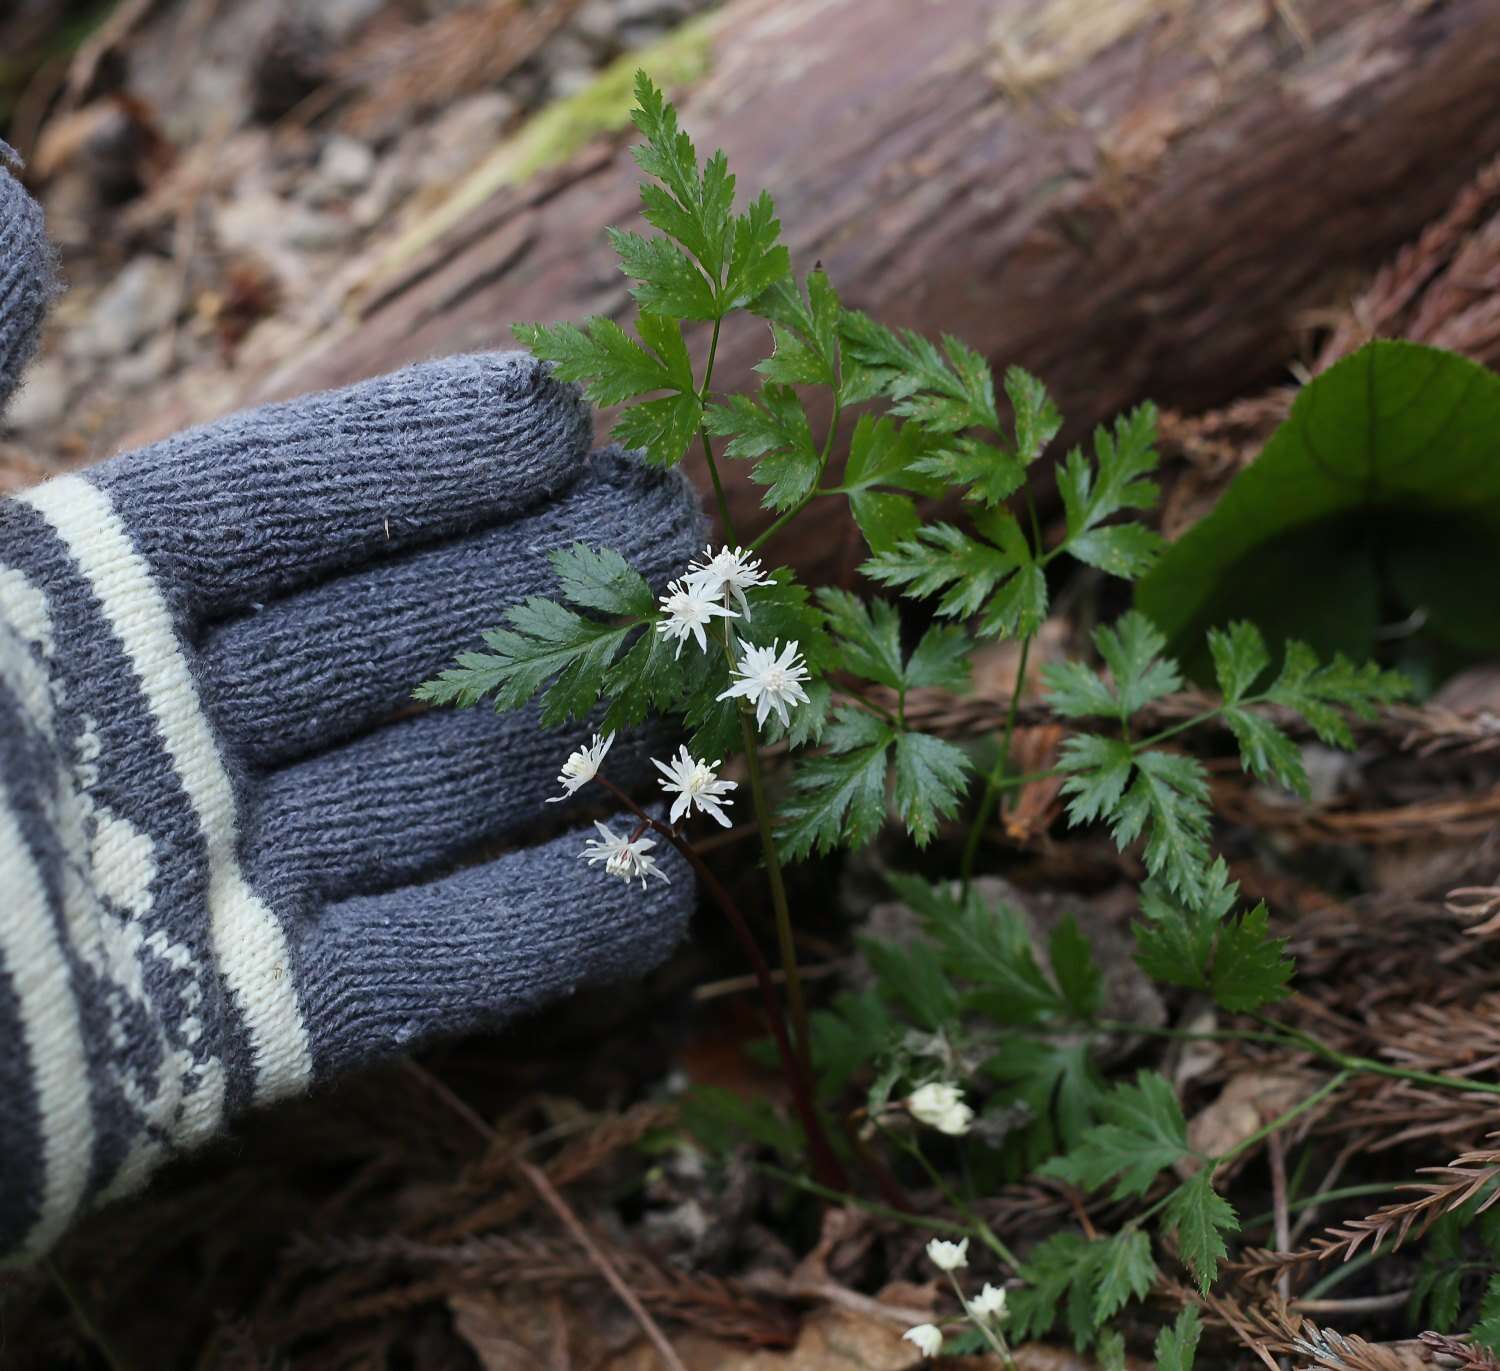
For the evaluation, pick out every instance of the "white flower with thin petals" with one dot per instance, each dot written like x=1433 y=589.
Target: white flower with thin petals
x=770 y=681
x=948 y=1256
x=729 y=571
x=696 y=783
x=928 y=1338
x=989 y=1304
x=581 y=767
x=940 y=1106
x=627 y=858
x=690 y=608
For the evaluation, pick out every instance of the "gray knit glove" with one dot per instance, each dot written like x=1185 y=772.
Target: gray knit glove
x=222 y=854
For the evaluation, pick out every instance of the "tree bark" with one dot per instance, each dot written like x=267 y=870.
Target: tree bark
x=1129 y=198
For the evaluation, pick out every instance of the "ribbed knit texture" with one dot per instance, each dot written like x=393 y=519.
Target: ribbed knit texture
x=226 y=864
x=26 y=277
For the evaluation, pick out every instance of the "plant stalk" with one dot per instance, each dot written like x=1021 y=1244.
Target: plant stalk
x=826 y=1165
x=997 y=774
x=795 y=999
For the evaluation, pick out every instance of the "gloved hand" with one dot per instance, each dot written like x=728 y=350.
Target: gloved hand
x=222 y=863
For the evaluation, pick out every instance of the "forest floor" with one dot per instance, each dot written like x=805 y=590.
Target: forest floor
x=217 y=176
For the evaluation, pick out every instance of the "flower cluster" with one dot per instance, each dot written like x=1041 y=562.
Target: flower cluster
x=941 y=1106
x=770 y=678
x=987 y=1310
x=696 y=784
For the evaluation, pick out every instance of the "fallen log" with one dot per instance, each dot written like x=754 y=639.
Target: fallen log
x=1127 y=198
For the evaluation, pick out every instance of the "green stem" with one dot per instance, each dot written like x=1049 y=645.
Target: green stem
x=1280 y=1122
x=796 y=1002
x=986 y=1234
x=884 y=1211
x=1348 y=1192
x=708 y=451
x=786 y=516
x=996 y=777
x=1376 y=1068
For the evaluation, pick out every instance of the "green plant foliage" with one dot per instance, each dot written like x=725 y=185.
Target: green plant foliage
x=1377 y=499
x=1177 y=1346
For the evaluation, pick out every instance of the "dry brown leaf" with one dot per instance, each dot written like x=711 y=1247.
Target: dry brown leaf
x=1248 y=1102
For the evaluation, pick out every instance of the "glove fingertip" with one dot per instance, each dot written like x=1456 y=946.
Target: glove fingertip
x=28 y=276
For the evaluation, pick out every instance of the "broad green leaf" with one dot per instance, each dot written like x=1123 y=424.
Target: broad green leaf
x=1384 y=480
x=1200 y=1218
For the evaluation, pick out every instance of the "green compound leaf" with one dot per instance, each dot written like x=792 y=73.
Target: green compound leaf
x=1177 y=1346
x=1320 y=693
x=1162 y=795
x=868 y=635
x=930 y=776
x=599 y=578
x=1139 y=674
x=1383 y=482
x=1143 y=1133
x=545 y=639
x=968 y=572
x=838 y=798
x=777 y=432
x=1200 y=946
x=1122 y=1269
x=1114 y=481
x=1200 y=1218
x=883 y=453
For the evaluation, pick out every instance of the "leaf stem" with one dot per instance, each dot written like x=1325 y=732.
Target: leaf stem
x=986 y=1234
x=708 y=451
x=996 y=777
x=826 y=1165
x=796 y=1002
x=1328 y=1087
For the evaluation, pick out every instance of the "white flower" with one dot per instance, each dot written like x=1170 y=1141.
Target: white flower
x=989 y=1304
x=689 y=608
x=728 y=572
x=696 y=783
x=770 y=682
x=948 y=1256
x=623 y=857
x=942 y=1107
x=581 y=767
x=928 y=1338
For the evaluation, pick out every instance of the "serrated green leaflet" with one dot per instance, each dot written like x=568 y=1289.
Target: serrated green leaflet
x=1143 y=1133
x=1200 y=1218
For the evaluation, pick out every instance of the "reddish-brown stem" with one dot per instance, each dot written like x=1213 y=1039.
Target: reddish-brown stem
x=827 y=1169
